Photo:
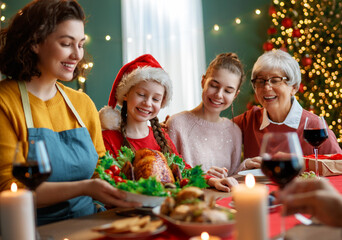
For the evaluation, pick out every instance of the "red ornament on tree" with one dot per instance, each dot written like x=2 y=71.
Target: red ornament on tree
x=306 y=61
x=301 y=88
x=267 y=46
x=272 y=10
x=296 y=33
x=286 y=22
x=283 y=47
x=272 y=30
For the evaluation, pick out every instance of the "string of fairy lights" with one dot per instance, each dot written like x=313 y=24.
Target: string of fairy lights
x=310 y=30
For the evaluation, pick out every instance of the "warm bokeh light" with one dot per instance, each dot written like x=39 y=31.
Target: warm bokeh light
x=204 y=236
x=81 y=79
x=107 y=38
x=14 y=187
x=237 y=20
x=216 y=27
x=250 y=180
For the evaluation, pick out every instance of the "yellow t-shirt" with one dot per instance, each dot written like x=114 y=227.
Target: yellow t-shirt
x=53 y=114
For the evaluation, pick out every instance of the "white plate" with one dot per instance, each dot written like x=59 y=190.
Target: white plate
x=145 y=200
x=256 y=172
x=195 y=229
x=128 y=236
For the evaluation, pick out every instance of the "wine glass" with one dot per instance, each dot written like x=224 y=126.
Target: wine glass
x=315 y=133
x=33 y=170
x=36 y=168
x=282 y=160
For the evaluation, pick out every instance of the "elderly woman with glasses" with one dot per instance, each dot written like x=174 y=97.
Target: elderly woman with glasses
x=276 y=78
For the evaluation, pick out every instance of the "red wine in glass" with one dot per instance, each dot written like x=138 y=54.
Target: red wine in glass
x=28 y=174
x=31 y=172
x=315 y=137
x=282 y=171
x=282 y=160
x=315 y=133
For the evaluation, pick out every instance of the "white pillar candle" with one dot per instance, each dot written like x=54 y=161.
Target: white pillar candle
x=17 y=215
x=251 y=203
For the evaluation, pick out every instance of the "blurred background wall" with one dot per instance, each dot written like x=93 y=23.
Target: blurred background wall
x=104 y=18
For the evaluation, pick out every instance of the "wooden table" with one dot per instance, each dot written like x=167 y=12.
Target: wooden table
x=80 y=228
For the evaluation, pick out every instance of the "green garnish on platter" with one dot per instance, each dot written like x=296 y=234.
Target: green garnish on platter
x=150 y=186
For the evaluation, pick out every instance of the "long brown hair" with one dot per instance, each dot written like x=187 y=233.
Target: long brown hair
x=31 y=26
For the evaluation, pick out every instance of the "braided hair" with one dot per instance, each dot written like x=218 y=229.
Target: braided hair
x=123 y=126
x=160 y=136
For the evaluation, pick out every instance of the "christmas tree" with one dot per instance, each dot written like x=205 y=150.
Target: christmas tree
x=310 y=30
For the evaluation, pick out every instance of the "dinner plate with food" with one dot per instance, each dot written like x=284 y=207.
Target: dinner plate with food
x=189 y=212
x=138 y=227
x=148 y=176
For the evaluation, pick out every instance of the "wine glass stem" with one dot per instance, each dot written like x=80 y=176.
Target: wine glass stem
x=282 y=223
x=316 y=161
x=35 y=213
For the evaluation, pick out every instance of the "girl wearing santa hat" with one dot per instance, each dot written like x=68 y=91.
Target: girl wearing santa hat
x=141 y=88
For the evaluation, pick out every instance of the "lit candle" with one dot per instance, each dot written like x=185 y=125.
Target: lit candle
x=205 y=236
x=252 y=209
x=17 y=216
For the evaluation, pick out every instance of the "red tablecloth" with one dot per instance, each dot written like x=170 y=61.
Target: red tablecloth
x=274 y=217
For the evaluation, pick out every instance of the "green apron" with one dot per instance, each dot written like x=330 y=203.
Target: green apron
x=73 y=157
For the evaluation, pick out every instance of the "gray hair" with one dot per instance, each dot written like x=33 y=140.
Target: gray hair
x=280 y=60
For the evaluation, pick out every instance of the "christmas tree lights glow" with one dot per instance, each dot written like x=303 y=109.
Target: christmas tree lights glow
x=310 y=31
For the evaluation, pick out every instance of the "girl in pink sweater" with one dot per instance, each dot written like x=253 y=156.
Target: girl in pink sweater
x=205 y=138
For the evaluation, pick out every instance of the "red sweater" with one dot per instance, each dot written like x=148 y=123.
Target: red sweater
x=113 y=141
x=250 y=122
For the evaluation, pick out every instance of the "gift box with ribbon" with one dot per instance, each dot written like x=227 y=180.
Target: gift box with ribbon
x=328 y=165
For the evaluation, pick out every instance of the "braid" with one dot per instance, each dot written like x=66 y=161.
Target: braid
x=159 y=136
x=123 y=126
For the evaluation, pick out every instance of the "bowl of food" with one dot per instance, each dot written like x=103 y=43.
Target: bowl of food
x=188 y=212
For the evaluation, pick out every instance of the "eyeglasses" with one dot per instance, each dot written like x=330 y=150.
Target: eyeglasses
x=273 y=81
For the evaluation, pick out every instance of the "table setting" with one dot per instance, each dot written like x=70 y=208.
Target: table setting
x=247 y=212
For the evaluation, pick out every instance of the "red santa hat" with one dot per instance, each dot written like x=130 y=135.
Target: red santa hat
x=143 y=68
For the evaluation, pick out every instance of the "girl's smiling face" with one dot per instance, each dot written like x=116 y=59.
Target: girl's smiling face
x=219 y=90
x=144 y=100
x=61 y=51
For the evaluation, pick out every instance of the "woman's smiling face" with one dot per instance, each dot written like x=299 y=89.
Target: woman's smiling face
x=275 y=99
x=61 y=51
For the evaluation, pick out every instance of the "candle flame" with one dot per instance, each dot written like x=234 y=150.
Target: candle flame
x=250 y=180
x=204 y=236
x=14 y=187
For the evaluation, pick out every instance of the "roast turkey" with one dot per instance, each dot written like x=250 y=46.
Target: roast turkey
x=148 y=163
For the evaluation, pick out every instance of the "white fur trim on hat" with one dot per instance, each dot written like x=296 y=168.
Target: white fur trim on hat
x=144 y=74
x=110 y=118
